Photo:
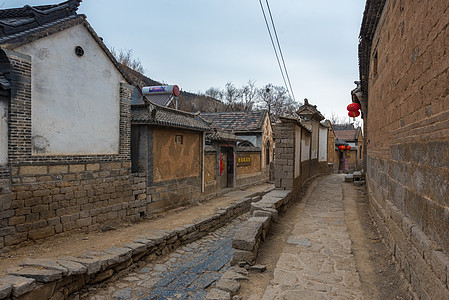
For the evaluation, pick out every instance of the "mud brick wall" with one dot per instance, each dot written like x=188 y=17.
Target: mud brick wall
x=408 y=140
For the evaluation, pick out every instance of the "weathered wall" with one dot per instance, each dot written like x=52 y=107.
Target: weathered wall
x=210 y=167
x=3 y=132
x=75 y=107
x=322 y=147
x=408 y=140
x=254 y=166
x=174 y=161
x=42 y=195
x=210 y=172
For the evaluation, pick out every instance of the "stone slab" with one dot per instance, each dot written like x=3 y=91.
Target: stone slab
x=38 y=274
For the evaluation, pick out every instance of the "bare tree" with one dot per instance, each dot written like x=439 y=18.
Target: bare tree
x=125 y=57
x=248 y=94
x=215 y=93
x=230 y=95
x=277 y=101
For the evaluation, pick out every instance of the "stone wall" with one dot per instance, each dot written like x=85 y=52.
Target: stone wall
x=165 y=195
x=408 y=140
x=63 y=277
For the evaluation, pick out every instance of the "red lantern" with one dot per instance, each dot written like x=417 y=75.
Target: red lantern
x=341 y=147
x=353 y=107
x=348 y=147
x=354 y=114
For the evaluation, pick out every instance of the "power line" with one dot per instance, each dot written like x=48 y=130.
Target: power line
x=280 y=51
x=274 y=47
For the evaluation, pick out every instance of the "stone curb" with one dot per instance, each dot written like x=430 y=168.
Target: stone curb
x=246 y=242
x=247 y=239
x=51 y=278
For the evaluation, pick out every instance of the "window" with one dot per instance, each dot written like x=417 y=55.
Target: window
x=178 y=139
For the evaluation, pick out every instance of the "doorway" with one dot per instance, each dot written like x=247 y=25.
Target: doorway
x=226 y=167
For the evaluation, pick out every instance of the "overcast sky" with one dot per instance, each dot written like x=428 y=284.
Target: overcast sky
x=198 y=44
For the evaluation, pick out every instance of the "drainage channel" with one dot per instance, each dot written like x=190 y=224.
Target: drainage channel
x=186 y=273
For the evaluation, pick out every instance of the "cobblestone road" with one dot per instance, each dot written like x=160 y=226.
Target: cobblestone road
x=317 y=261
x=186 y=273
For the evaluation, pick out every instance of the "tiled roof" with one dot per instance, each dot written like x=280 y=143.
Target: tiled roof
x=309 y=111
x=222 y=136
x=346 y=134
x=151 y=114
x=239 y=121
x=18 y=20
x=20 y=26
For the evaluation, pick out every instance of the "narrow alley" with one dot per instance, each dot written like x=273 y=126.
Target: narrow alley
x=325 y=246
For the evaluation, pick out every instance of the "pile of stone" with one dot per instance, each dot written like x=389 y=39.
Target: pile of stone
x=59 y=278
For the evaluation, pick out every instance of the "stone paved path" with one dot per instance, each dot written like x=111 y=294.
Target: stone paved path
x=186 y=273
x=317 y=260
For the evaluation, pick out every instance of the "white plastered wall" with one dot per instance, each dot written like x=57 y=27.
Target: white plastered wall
x=75 y=100
x=322 y=156
x=3 y=133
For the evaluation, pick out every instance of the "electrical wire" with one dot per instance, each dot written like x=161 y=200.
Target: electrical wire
x=280 y=51
x=274 y=47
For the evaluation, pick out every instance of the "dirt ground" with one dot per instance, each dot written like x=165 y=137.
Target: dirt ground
x=74 y=244
x=378 y=274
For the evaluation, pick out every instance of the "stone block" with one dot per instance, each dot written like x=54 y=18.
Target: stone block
x=122 y=254
x=269 y=212
x=136 y=248
x=106 y=259
x=41 y=233
x=33 y=170
x=229 y=285
x=217 y=294
x=349 y=178
x=58 y=169
x=243 y=256
x=247 y=236
x=38 y=274
x=49 y=264
x=93 y=167
x=72 y=267
x=20 y=285
x=92 y=264
x=279 y=193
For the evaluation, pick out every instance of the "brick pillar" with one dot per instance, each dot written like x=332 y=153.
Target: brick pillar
x=284 y=133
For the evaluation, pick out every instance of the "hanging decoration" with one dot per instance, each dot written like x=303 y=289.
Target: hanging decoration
x=353 y=107
x=354 y=114
x=222 y=166
x=342 y=147
x=348 y=147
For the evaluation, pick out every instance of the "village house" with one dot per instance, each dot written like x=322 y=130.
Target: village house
x=404 y=98
x=167 y=149
x=349 y=160
x=332 y=149
x=301 y=148
x=65 y=127
x=252 y=134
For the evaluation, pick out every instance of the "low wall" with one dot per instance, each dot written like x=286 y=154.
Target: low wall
x=249 y=236
x=44 y=200
x=170 y=194
x=57 y=279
